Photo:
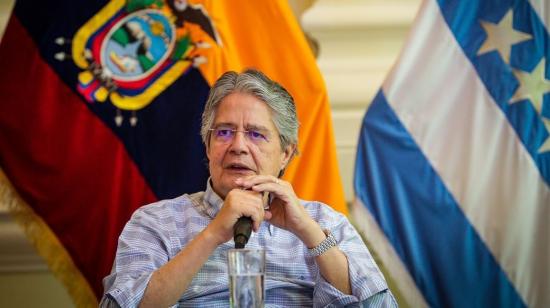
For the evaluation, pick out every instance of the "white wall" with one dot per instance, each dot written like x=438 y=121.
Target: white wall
x=359 y=41
x=5 y=11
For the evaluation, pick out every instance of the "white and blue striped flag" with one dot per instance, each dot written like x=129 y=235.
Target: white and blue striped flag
x=452 y=175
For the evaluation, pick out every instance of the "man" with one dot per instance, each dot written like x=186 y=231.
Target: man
x=174 y=251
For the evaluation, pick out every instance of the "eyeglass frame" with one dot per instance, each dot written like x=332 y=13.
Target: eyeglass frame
x=264 y=136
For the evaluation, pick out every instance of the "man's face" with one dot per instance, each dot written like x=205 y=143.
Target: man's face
x=238 y=155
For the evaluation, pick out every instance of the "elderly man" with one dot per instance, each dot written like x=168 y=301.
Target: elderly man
x=173 y=252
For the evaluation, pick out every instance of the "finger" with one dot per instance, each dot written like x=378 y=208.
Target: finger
x=243 y=203
x=264 y=196
x=278 y=190
x=237 y=196
x=250 y=181
x=252 y=207
x=257 y=216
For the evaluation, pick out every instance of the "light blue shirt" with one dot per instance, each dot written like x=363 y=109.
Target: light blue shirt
x=158 y=231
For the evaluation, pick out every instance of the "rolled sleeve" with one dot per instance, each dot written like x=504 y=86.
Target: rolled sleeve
x=368 y=286
x=325 y=295
x=141 y=250
x=127 y=293
x=380 y=299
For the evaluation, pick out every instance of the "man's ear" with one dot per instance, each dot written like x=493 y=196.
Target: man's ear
x=287 y=154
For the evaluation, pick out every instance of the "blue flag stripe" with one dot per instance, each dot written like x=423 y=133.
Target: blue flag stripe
x=446 y=257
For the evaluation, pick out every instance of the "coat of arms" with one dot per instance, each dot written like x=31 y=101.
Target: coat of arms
x=131 y=50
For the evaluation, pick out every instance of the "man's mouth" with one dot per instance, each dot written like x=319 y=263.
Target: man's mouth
x=238 y=167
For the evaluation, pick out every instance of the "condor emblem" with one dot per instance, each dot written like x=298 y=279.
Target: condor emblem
x=130 y=51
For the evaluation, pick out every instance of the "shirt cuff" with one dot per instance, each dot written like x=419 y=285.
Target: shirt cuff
x=128 y=293
x=365 y=282
x=381 y=299
x=326 y=295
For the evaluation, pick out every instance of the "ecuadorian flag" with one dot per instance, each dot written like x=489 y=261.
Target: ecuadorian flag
x=452 y=175
x=100 y=114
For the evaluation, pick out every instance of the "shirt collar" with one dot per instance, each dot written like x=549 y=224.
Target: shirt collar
x=213 y=202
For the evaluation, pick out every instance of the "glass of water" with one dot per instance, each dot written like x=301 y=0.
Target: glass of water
x=246 y=277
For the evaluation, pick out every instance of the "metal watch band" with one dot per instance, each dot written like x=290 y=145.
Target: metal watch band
x=325 y=245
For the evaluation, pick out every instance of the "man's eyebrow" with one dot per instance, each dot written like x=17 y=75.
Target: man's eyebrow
x=257 y=127
x=224 y=124
x=248 y=127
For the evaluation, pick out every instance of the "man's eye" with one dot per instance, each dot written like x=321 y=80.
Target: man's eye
x=222 y=132
x=255 y=135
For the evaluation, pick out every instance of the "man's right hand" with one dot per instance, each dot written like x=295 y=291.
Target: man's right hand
x=238 y=203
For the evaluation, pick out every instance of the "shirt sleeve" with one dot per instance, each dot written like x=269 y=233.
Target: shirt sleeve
x=368 y=285
x=141 y=250
x=380 y=299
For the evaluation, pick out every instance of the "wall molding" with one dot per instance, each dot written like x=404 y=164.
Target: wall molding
x=16 y=253
x=359 y=40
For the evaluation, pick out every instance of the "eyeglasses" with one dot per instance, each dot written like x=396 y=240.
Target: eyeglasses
x=224 y=134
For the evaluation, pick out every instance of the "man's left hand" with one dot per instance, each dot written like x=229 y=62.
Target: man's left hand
x=285 y=210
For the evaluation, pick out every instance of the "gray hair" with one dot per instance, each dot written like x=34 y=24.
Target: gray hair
x=254 y=82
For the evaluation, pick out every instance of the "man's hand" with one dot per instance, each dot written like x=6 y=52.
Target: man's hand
x=238 y=203
x=285 y=210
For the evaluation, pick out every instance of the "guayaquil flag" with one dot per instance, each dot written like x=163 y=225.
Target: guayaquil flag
x=100 y=114
x=452 y=176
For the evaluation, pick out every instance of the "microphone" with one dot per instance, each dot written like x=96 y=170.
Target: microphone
x=241 y=231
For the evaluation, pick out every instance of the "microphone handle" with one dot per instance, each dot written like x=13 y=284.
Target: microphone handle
x=241 y=231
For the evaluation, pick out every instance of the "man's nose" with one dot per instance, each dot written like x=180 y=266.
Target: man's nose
x=239 y=142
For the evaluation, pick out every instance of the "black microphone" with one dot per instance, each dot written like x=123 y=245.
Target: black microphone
x=241 y=231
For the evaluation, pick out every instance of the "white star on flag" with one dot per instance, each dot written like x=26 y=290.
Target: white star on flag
x=532 y=86
x=501 y=37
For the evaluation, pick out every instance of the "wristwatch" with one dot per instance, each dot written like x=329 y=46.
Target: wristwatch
x=325 y=245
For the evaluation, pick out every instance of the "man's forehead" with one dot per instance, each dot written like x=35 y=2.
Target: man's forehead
x=244 y=109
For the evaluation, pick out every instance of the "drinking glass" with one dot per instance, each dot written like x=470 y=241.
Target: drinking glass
x=246 y=277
